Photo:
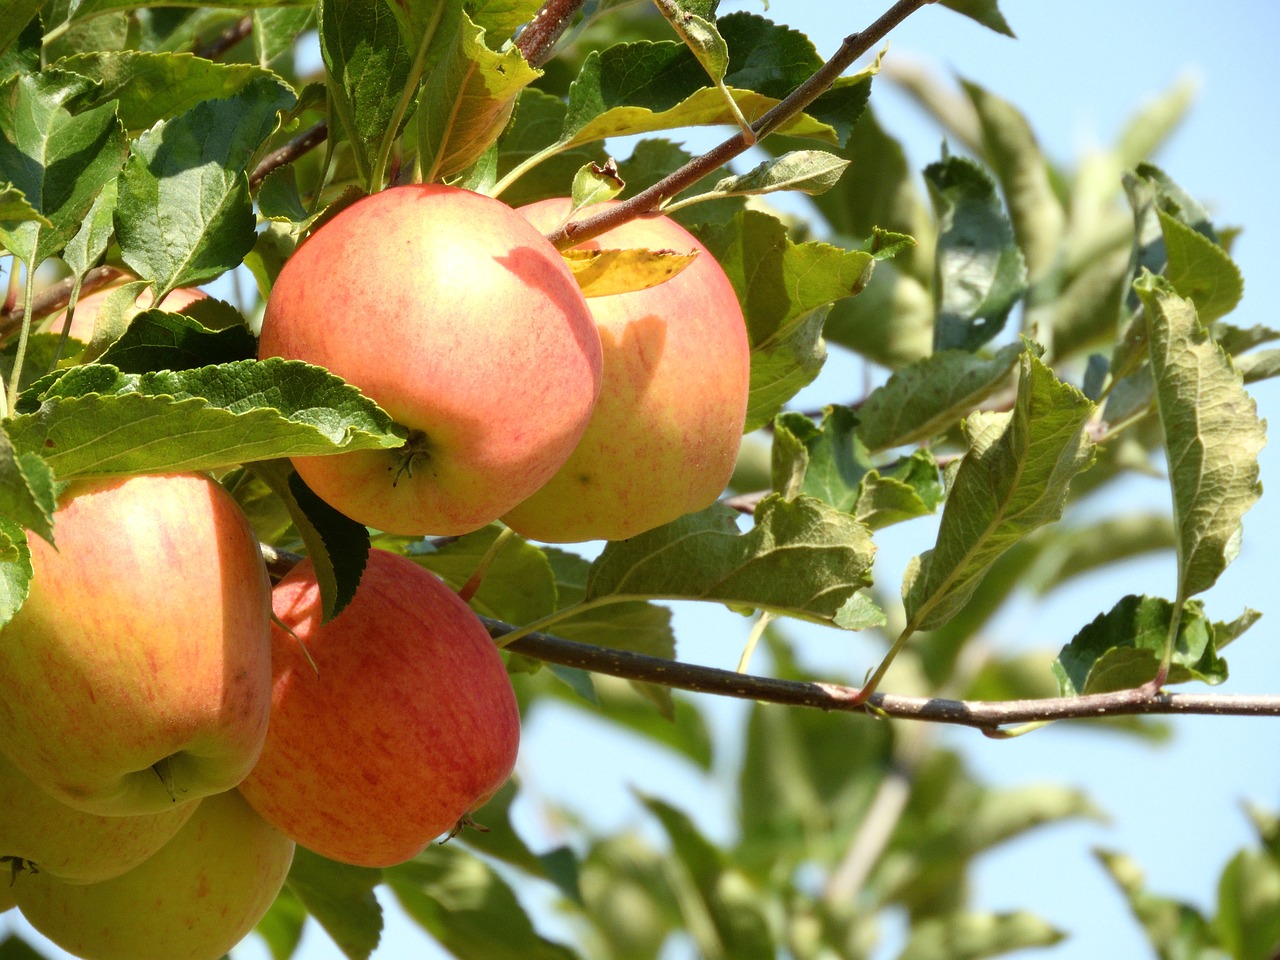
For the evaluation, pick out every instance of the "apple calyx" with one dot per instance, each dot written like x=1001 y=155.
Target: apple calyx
x=416 y=447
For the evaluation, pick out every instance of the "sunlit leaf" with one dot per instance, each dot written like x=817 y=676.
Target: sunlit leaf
x=603 y=273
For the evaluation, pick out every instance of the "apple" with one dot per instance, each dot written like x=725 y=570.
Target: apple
x=6 y=893
x=665 y=433
x=42 y=834
x=137 y=674
x=455 y=315
x=389 y=724
x=86 y=315
x=194 y=900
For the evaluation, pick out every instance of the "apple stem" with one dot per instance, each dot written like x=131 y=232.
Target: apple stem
x=468 y=589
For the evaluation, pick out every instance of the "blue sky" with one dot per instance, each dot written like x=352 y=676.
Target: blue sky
x=1078 y=70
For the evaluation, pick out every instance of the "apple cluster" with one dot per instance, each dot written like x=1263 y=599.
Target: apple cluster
x=568 y=418
x=171 y=725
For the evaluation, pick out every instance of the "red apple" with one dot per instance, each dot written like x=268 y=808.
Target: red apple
x=665 y=432
x=194 y=900
x=86 y=315
x=137 y=674
x=456 y=316
x=40 y=833
x=394 y=722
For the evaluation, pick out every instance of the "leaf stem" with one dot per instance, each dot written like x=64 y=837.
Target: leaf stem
x=20 y=355
x=468 y=589
x=406 y=97
x=854 y=46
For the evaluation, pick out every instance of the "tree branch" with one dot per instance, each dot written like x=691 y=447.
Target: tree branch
x=227 y=39
x=851 y=49
x=56 y=296
x=304 y=142
x=540 y=34
x=988 y=716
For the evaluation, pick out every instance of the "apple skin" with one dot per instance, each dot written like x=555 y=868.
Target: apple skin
x=461 y=321
x=145 y=638
x=87 y=308
x=6 y=895
x=405 y=724
x=68 y=844
x=665 y=433
x=194 y=900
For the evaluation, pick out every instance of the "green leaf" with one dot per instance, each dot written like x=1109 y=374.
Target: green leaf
x=594 y=184
x=980 y=273
x=468 y=908
x=1013 y=479
x=28 y=495
x=1248 y=921
x=184 y=215
x=782 y=286
x=537 y=121
x=337 y=546
x=1200 y=270
x=802 y=559
x=823 y=461
x=1010 y=147
x=158 y=340
x=971 y=936
x=1121 y=649
x=1212 y=435
x=16 y=18
x=1151 y=126
x=519 y=586
x=912 y=488
x=1069 y=552
x=805 y=171
x=367 y=67
x=473 y=92
x=281 y=928
x=276 y=30
x=501 y=18
x=1262 y=365
x=341 y=898
x=90 y=243
x=58 y=155
x=13 y=948
x=1177 y=931
x=150 y=87
x=717 y=891
x=15 y=569
x=986 y=12
x=890 y=322
x=15 y=208
x=87 y=9
x=95 y=421
x=927 y=398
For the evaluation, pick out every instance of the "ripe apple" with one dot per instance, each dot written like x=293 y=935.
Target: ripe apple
x=454 y=314
x=87 y=308
x=665 y=432
x=40 y=833
x=137 y=674
x=6 y=893
x=194 y=900
x=394 y=722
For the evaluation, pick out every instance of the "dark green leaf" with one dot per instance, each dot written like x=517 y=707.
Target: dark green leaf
x=341 y=898
x=1121 y=649
x=980 y=273
x=1200 y=270
x=986 y=12
x=281 y=928
x=157 y=340
x=911 y=488
x=367 y=68
x=824 y=461
x=1013 y=479
x=95 y=421
x=802 y=559
x=1212 y=436
x=930 y=396
x=184 y=215
x=337 y=545
x=19 y=44
x=57 y=154
x=28 y=495
x=13 y=948
x=473 y=91
x=468 y=908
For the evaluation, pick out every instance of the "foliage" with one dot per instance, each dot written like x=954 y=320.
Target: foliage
x=1036 y=339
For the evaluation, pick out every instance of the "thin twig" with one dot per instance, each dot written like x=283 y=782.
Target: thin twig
x=56 y=296
x=227 y=39
x=538 y=38
x=853 y=47
x=988 y=716
x=304 y=142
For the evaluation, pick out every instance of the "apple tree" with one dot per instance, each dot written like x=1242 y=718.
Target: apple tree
x=1032 y=337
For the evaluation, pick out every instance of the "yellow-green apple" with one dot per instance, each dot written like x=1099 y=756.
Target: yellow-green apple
x=42 y=834
x=137 y=674
x=194 y=900
x=389 y=724
x=6 y=893
x=665 y=432
x=454 y=314
x=87 y=308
